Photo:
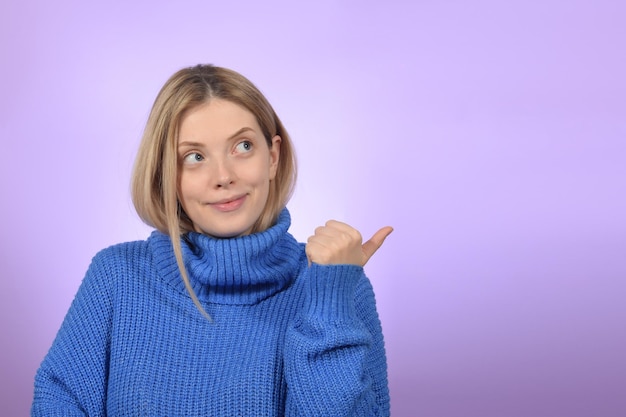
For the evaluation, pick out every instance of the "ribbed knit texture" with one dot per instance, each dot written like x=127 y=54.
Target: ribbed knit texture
x=285 y=339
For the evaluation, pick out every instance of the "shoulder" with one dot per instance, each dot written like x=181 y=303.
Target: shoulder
x=122 y=250
x=121 y=257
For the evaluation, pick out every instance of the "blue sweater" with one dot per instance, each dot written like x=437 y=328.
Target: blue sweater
x=286 y=338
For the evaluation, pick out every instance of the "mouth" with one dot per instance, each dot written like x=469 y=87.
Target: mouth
x=229 y=204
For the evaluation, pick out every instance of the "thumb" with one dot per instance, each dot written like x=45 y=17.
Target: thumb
x=371 y=246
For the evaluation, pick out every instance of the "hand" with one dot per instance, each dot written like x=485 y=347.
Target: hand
x=338 y=243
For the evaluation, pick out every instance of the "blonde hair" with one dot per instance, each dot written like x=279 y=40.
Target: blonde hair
x=155 y=175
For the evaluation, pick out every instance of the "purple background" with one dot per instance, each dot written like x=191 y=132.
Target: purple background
x=490 y=134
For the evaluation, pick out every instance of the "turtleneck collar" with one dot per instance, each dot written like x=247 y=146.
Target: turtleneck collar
x=240 y=270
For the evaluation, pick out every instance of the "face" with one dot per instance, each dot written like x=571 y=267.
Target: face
x=225 y=168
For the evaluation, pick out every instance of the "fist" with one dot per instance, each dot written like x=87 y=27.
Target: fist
x=338 y=243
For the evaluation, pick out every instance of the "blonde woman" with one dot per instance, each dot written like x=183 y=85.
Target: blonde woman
x=220 y=312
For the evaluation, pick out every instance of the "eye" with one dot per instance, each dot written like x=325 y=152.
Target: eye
x=193 y=158
x=244 y=146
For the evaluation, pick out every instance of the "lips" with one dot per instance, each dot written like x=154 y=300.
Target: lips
x=229 y=204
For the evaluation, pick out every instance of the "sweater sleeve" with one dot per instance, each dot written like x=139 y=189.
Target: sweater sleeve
x=335 y=362
x=72 y=378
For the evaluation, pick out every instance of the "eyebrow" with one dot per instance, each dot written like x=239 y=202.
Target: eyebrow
x=234 y=135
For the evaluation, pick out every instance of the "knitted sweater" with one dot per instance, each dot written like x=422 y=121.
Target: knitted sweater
x=285 y=338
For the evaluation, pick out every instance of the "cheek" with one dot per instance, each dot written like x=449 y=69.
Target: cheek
x=186 y=187
x=257 y=174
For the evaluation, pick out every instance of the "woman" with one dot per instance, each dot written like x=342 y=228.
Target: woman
x=275 y=328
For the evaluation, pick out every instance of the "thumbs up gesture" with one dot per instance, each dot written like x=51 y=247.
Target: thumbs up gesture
x=339 y=243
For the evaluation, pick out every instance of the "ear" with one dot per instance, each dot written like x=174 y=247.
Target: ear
x=274 y=156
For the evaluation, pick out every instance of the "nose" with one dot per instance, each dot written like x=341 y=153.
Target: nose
x=223 y=175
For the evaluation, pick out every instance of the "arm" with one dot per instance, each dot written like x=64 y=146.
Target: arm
x=72 y=378
x=335 y=359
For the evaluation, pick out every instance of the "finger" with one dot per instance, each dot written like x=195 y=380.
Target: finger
x=371 y=246
x=335 y=231
x=344 y=229
x=337 y=224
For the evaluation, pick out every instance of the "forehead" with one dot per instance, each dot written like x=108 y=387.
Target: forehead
x=217 y=117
